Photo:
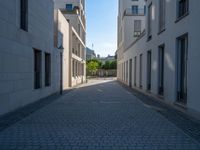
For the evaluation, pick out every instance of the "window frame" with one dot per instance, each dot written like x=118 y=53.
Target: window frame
x=37 y=69
x=162 y=18
x=186 y=13
x=24 y=15
x=47 y=69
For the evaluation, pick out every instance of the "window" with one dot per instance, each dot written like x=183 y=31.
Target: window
x=150 y=17
x=135 y=71
x=182 y=58
x=161 y=54
x=137 y=28
x=122 y=73
x=149 y=70
x=130 y=72
x=37 y=69
x=145 y=10
x=69 y=7
x=73 y=68
x=24 y=15
x=141 y=70
x=183 y=7
x=79 y=29
x=162 y=13
x=77 y=69
x=47 y=69
x=126 y=71
x=135 y=10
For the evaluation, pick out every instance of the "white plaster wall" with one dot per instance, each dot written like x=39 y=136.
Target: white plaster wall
x=16 y=53
x=64 y=29
x=128 y=29
x=189 y=24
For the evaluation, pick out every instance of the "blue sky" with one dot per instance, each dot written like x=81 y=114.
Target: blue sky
x=102 y=26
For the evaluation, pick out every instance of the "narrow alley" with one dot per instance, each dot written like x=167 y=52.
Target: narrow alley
x=98 y=115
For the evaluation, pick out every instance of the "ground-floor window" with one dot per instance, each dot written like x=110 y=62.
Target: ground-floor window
x=135 y=71
x=37 y=69
x=47 y=69
x=161 y=51
x=130 y=72
x=126 y=71
x=141 y=59
x=149 y=59
x=182 y=50
x=74 y=68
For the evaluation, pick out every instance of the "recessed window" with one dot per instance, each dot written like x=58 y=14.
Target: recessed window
x=135 y=71
x=150 y=20
x=24 y=15
x=140 y=76
x=47 y=69
x=182 y=8
x=137 y=28
x=161 y=57
x=135 y=10
x=37 y=69
x=182 y=62
x=162 y=5
x=149 y=68
x=69 y=7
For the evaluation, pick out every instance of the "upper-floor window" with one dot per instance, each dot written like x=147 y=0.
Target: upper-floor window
x=69 y=7
x=24 y=15
x=150 y=20
x=182 y=7
x=134 y=9
x=162 y=12
x=137 y=28
x=145 y=10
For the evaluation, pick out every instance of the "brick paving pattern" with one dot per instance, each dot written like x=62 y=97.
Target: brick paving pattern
x=104 y=116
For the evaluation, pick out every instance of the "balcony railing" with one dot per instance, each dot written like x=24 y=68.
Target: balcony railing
x=136 y=12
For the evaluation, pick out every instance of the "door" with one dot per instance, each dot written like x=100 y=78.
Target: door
x=182 y=69
x=161 y=70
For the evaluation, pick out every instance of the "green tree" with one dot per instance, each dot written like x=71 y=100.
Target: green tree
x=113 y=65
x=92 y=66
x=106 y=66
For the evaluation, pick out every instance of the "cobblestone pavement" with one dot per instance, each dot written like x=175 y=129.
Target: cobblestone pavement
x=100 y=115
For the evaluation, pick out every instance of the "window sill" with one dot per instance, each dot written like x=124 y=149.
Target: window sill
x=161 y=31
x=181 y=17
x=179 y=104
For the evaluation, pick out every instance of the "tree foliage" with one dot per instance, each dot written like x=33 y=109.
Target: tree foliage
x=94 y=64
x=110 y=65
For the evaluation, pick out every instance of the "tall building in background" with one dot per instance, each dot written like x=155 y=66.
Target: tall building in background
x=90 y=54
x=74 y=54
x=164 y=60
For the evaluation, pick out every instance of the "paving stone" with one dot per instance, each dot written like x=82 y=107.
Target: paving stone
x=100 y=116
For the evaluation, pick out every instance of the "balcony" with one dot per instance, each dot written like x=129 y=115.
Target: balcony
x=75 y=10
x=137 y=12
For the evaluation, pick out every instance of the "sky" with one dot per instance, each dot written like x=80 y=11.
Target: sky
x=102 y=26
